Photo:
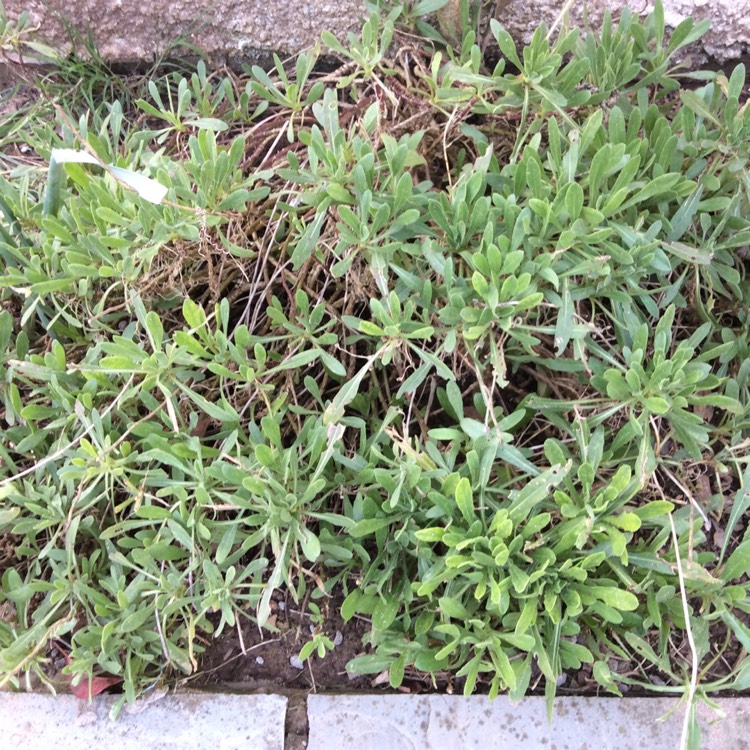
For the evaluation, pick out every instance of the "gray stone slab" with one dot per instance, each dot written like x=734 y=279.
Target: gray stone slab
x=130 y=30
x=437 y=722
x=186 y=721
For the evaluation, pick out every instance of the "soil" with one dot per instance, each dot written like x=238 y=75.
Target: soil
x=270 y=661
x=270 y=664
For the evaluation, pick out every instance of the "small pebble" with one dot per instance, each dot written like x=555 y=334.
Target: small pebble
x=260 y=660
x=338 y=639
x=295 y=662
x=561 y=680
x=282 y=606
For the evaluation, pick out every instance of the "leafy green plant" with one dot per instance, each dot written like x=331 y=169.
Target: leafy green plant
x=463 y=346
x=17 y=40
x=288 y=94
x=320 y=643
x=175 y=110
x=366 y=51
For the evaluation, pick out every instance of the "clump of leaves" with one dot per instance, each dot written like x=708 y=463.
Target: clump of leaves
x=465 y=344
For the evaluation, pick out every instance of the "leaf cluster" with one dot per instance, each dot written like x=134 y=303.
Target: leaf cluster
x=455 y=340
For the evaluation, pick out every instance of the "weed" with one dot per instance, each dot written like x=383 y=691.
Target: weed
x=467 y=344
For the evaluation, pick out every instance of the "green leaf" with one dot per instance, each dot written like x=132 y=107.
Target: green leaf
x=368 y=664
x=154 y=512
x=431 y=534
x=396 y=672
x=136 y=620
x=738 y=563
x=741 y=631
x=119 y=364
x=657 y=404
x=415 y=380
x=614 y=597
x=502 y=662
x=655 y=187
x=236 y=201
x=208 y=123
x=682 y=220
x=226 y=544
x=265 y=455
x=740 y=507
x=731 y=405
x=474 y=429
x=385 y=613
x=654 y=509
x=255 y=485
x=193 y=313
x=155 y=330
x=425 y=7
x=349 y=605
x=453 y=608
x=686 y=32
x=332 y=364
x=506 y=43
x=335 y=410
x=700 y=256
x=339 y=193
x=442 y=369
x=305 y=245
x=224 y=413
x=464 y=499
x=8 y=516
x=368 y=526
x=603 y=675
x=535 y=491
x=697 y=104
x=306 y=650
x=296 y=361
x=565 y=320
x=658 y=21
x=309 y=543
x=574 y=201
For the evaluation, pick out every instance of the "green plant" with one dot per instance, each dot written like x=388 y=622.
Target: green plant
x=320 y=643
x=467 y=349
x=18 y=42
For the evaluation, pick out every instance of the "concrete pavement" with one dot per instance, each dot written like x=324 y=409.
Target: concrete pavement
x=221 y=721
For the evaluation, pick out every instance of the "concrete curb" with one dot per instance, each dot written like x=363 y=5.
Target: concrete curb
x=185 y=721
x=220 y=721
x=441 y=722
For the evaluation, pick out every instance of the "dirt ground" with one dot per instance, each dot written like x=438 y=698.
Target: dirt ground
x=270 y=661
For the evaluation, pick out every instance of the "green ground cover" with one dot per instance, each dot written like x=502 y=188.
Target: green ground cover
x=457 y=332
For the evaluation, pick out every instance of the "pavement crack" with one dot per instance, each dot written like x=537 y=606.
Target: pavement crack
x=296 y=724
